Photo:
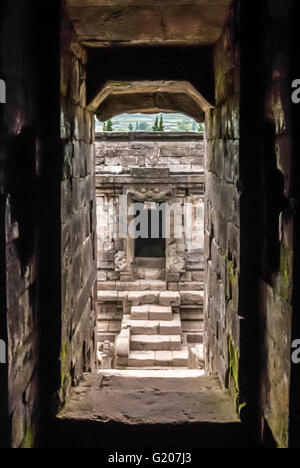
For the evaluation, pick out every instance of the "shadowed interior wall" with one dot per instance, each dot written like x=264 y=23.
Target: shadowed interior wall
x=78 y=217
x=268 y=184
x=22 y=163
x=222 y=223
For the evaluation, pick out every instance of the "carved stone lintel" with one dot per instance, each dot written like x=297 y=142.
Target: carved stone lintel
x=151 y=192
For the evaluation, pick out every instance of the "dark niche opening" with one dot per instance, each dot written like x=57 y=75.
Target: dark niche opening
x=150 y=233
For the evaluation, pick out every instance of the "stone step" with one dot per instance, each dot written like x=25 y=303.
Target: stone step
x=151 y=312
x=158 y=358
x=192 y=326
x=191 y=315
x=155 y=343
x=154 y=327
x=140 y=285
x=164 y=298
x=141 y=359
x=160 y=313
x=110 y=316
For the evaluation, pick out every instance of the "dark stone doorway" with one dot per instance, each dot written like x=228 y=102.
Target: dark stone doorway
x=154 y=245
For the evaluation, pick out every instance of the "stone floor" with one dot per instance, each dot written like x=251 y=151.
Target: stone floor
x=173 y=408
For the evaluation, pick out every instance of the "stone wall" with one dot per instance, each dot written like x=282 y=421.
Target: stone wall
x=249 y=225
x=78 y=211
x=222 y=218
x=276 y=273
x=22 y=157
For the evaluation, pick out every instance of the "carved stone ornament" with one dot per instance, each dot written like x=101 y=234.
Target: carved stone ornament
x=175 y=263
x=120 y=261
x=150 y=192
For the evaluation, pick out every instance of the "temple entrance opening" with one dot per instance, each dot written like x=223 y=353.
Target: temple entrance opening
x=150 y=229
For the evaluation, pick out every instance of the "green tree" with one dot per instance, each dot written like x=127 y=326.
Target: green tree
x=201 y=127
x=131 y=127
x=109 y=127
x=161 y=127
x=104 y=127
x=137 y=127
x=156 y=125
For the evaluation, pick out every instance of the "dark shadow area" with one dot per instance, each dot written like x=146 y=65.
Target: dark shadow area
x=268 y=440
x=151 y=64
x=275 y=203
x=4 y=428
x=154 y=246
x=95 y=434
x=21 y=184
x=295 y=193
x=251 y=138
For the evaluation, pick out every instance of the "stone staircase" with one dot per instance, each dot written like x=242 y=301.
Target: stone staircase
x=157 y=328
x=156 y=338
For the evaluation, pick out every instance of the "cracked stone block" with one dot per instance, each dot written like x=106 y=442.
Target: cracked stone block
x=143 y=297
x=169 y=298
x=192 y=297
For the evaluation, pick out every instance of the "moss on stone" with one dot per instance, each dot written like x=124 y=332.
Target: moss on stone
x=241 y=406
x=63 y=357
x=233 y=365
x=63 y=353
x=29 y=438
x=282 y=433
x=285 y=275
x=232 y=273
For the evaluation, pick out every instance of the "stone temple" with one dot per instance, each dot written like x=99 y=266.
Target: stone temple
x=150 y=290
x=149 y=282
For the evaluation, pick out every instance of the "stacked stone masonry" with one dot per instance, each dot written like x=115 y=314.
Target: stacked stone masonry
x=78 y=217
x=222 y=217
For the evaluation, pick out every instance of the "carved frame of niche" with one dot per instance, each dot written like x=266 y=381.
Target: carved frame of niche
x=157 y=193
